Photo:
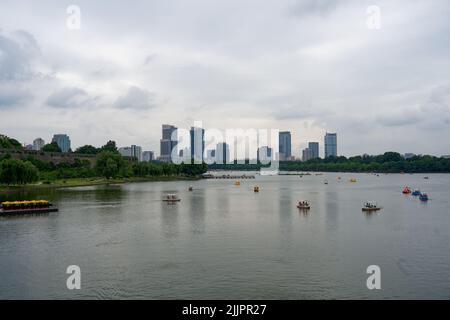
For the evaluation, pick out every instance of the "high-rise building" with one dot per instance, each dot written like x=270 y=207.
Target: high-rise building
x=132 y=152
x=222 y=153
x=330 y=145
x=168 y=143
x=285 y=145
x=313 y=150
x=148 y=156
x=306 y=154
x=265 y=154
x=136 y=152
x=38 y=144
x=197 y=144
x=63 y=142
x=125 y=151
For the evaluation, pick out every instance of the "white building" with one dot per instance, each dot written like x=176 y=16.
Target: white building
x=38 y=144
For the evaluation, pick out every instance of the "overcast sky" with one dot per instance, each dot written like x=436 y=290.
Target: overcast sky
x=307 y=66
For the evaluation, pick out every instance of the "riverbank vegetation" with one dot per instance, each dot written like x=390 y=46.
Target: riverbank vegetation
x=389 y=162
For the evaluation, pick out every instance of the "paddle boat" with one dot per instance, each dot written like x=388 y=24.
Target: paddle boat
x=304 y=205
x=423 y=197
x=325 y=182
x=370 y=207
x=26 y=207
x=191 y=188
x=256 y=189
x=406 y=190
x=353 y=180
x=416 y=193
x=237 y=183
x=171 y=198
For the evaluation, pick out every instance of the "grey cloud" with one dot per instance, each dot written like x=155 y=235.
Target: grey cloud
x=135 y=98
x=304 y=8
x=11 y=96
x=398 y=119
x=68 y=98
x=16 y=53
x=298 y=112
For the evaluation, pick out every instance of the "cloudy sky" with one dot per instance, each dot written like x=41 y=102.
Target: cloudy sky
x=308 y=66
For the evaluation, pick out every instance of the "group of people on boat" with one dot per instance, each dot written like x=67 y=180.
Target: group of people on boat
x=370 y=205
x=303 y=205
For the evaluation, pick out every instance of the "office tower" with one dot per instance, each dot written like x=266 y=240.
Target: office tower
x=148 y=156
x=265 y=154
x=222 y=153
x=168 y=143
x=125 y=151
x=136 y=152
x=306 y=154
x=63 y=142
x=313 y=150
x=197 y=144
x=38 y=144
x=330 y=145
x=285 y=145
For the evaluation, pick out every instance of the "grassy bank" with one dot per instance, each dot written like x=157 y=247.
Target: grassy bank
x=82 y=182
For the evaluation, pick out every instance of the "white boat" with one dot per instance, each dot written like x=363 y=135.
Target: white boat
x=371 y=206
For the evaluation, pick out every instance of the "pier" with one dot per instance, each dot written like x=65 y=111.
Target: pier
x=228 y=176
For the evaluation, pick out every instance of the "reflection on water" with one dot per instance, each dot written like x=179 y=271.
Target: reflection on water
x=226 y=242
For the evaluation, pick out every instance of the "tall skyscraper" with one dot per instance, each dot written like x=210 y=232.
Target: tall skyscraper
x=197 y=144
x=330 y=145
x=222 y=153
x=285 y=145
x=136 y=152
x=167 y=144
x=63 y=141
x=38 y=144
x=313 y=150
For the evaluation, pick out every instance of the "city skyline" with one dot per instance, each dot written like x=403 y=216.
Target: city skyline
x=297 y=74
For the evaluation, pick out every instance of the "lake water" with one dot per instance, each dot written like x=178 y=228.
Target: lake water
x=227 y=242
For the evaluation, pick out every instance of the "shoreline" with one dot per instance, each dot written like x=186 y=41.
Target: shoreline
x=87 y=182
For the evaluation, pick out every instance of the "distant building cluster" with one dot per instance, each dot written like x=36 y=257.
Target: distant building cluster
x=169 y=148
x=221 y=154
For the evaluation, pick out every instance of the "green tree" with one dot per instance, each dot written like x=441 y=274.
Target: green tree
x=51 y=147
x=9 y=143
x=14 y=171
x=109 y=146
x=87 y=149
x=110 y=164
